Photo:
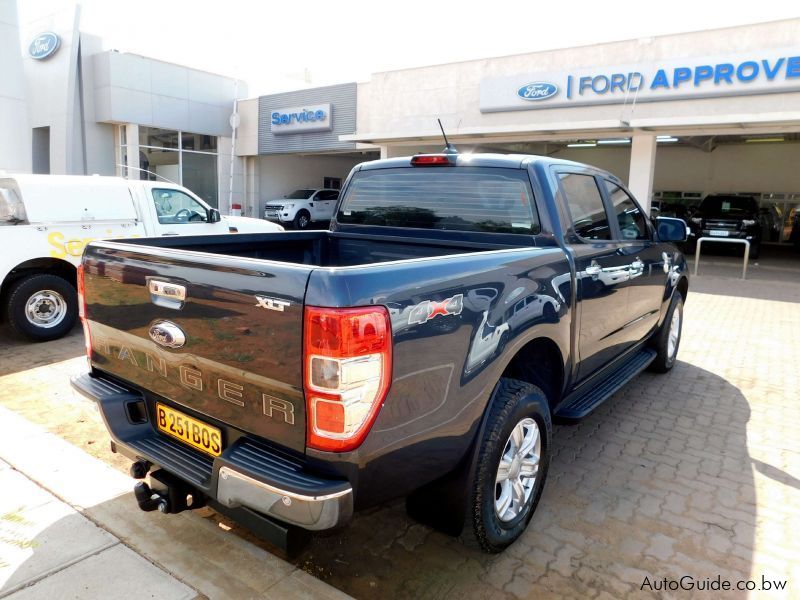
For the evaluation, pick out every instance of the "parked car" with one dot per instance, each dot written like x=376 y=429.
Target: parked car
x=288 y=380
x=724 y=216
x=302 y=207
x=47 y=220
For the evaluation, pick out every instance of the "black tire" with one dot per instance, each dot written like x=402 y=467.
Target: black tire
x=302 y=220
x=512 y=401
x=24 y=289
x=660 y=342
x=755 y=250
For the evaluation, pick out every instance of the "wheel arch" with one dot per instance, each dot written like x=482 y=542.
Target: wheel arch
x=540 y=363
x=43 y=264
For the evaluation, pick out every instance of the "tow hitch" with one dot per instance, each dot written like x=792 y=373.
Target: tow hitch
x=167 y=494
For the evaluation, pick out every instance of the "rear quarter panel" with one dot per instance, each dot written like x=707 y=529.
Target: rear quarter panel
x=445 y=366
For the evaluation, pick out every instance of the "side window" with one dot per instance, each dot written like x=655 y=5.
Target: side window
x=12 y=211
x=327 y=195
x=585 y=203
x=630 y=218
x=174 y=207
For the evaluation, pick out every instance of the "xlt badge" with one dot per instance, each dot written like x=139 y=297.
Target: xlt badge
x=272 y=303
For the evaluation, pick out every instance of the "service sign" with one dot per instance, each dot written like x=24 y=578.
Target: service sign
x=757 y=72
x=301 y=119
x=44 y=45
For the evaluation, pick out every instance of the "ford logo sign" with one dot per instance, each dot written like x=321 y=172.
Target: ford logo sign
x=167 y=334
x=44 y=45
x=538 y=90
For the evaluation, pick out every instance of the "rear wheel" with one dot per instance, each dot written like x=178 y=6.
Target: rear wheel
x=668 y=339
x=302 y=220
x=512 y=465
x=42 y=307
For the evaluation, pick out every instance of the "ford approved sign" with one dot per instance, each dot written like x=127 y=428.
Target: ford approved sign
x=43 y=45
x=756 y=72
x=539 y=90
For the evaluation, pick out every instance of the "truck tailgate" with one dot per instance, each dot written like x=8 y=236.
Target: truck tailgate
x=241 y=360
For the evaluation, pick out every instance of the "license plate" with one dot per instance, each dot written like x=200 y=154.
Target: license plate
x=189 y=430
x=718 y=233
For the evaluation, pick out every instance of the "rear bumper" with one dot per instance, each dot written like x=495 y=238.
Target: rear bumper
x=248 y=473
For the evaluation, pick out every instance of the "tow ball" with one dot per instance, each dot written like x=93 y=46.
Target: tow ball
x=167 y=494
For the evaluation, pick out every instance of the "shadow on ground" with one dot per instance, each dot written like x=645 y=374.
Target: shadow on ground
x=17 y=354
x=657 y=483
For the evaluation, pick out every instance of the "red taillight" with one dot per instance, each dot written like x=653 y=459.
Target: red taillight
x=432 y=160
x=346 y=375
x=82 y=314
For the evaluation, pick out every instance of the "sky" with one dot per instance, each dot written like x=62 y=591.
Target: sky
x=280 y=46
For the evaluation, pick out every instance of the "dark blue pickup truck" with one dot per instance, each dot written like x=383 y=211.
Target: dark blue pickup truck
x=421 y=347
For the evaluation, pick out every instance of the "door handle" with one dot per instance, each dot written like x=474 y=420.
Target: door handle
x=170 y=233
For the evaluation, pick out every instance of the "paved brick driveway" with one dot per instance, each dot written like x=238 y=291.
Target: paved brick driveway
x=693 y=473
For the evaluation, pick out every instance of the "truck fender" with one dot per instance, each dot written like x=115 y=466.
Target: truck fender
x=443 y=504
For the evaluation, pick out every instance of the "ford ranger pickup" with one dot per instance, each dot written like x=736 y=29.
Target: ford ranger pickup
x=422 y=347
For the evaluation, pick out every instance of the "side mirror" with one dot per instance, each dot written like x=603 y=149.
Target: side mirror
x=213 y=215
x=670 y=229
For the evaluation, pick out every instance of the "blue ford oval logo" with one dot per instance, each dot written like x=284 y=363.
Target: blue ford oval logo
x=44 y=45
x=168 y=334
x=538 y=90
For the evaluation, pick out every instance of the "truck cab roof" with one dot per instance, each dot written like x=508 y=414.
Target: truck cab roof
x=483 y=159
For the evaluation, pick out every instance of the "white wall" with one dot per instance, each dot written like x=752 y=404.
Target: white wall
x=729 y=168
x=51 y=85
x=405 y=103
x=281 y=174
x=15 y=141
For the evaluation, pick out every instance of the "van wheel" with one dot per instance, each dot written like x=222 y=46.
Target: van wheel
x=668 y=338
x=511 y=468
x=42 y=307
x=302 y=220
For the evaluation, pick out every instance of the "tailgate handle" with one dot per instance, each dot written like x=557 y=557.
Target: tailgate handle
x=164 y=293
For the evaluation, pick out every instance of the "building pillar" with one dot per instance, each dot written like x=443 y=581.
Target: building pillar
x=643 y=165
x=132 y=151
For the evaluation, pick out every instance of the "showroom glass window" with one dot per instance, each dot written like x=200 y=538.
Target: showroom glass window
x=188 y=159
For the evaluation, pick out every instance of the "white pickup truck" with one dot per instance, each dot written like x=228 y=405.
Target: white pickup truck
x=302 y=207
x=47 y=220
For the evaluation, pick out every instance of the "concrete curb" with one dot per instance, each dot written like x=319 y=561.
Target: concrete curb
x=194 y=550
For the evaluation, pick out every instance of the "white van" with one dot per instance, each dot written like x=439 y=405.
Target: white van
x=47 y=220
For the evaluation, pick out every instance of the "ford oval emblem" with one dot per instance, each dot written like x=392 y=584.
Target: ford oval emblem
x=44 y=45
x=167 y=334
x=538 y=90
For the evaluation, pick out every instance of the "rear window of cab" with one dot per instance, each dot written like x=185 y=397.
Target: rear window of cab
x=486 y=199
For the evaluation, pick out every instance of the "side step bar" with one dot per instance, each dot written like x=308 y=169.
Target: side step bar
x=577 y=407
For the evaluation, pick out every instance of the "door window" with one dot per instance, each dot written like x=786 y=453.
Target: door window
x=630 y=218
x=585 y=203
x=174 y=207
x=327 y=195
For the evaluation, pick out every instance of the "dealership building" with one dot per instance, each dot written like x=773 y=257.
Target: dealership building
x=676 y=117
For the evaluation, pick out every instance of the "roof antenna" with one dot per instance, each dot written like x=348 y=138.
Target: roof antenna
x=448 y=147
